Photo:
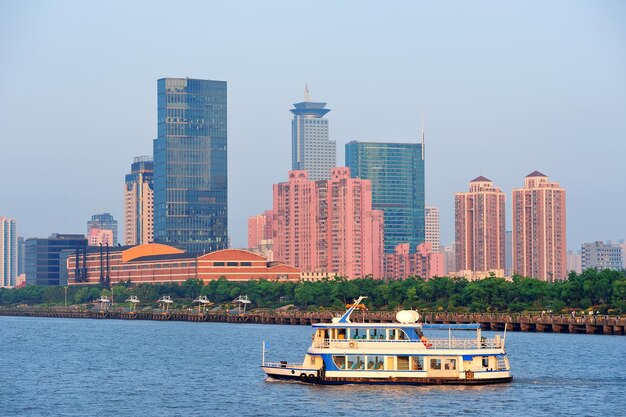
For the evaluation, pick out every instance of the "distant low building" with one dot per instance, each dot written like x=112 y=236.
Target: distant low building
x=157 y=264
x=43 y=257
x=600 y=255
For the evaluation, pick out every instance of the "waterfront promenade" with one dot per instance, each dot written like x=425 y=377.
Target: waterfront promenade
x=548 y=323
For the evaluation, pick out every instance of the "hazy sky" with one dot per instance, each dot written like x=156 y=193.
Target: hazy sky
x=506 y=88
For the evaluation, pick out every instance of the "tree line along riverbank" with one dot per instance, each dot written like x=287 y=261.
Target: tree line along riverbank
x=602 y=291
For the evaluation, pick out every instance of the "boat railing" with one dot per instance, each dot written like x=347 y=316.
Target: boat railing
x=282 y=364
x=444 y=343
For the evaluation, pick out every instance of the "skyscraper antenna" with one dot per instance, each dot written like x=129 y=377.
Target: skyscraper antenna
x=307 y=97
x=423 y=142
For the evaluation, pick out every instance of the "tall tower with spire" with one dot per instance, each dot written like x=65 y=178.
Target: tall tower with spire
x=311 y=150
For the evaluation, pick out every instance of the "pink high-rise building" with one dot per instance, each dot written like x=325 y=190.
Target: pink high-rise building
x=259 y=229
x=539 y=249
x=328 y=225
x=480 y=230
x=424 y=262
x=99 y=237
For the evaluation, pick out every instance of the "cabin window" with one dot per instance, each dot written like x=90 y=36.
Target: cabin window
x=392 y=334
x=232 y=263
x=218 y=264
x=356 y=362
x=485 y=361
x=246 y=264
x=402 y=335
x=377 y=334
x=357 y=333
x=417 y=363
x=341 y=334
x=449 y=364
x=375 y=363
x=435 y=364
x=340 y=362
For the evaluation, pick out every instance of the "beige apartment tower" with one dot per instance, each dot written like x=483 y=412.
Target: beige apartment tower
x=139 y=203
x=539 y=246
x=480 y=230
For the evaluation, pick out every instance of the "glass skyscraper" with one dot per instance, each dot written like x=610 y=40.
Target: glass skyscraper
x=397 y=174
x=190 y=177
x=311 y=150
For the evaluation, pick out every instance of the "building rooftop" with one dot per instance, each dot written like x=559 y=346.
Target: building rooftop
x=480 y=179
x=536 y=174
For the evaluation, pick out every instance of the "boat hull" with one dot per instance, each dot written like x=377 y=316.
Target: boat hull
x=311 y=377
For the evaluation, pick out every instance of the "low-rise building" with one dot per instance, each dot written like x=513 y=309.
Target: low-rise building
x=158 y=263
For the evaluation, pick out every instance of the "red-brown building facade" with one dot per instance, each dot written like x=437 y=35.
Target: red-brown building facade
x=157 y=263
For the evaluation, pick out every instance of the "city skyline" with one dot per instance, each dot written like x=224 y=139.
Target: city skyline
x=501 y=106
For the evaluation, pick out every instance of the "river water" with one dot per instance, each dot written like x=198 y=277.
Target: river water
x=86 y=367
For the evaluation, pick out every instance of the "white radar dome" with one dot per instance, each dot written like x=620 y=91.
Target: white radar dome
x=407 y=316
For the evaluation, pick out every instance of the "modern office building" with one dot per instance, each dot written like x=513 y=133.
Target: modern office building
x=396 y=171
x=8 y=252
x=104 y=221
x=43 y=257
x=311 y=150
x=21 y=256
x=431 y=220
x=139 y=202
x=539 y=249
x=480 y=230
x=600 y=255
x=190 y=165
x=328 y=226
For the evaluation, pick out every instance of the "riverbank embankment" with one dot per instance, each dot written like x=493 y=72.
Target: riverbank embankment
x=544 y=323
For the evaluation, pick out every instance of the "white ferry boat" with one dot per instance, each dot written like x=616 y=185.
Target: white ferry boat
x=343 y=352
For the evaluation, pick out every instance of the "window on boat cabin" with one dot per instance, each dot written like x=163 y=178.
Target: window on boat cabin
x=377 y=334
x=341 y=333
x=417 y=363
x=392 y=334
x=435 y=363
x=402 y=335
x=485 y=361
x=402 y=363
x=357 y=333
x=340 y=362
x=356 y=362
x=375 y=363
x=218 y=264
x=449 y=364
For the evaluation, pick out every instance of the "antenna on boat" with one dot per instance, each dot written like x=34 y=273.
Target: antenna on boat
x=357 y=304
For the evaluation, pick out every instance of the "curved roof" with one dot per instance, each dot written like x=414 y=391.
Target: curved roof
x=232 y=254
x=149 y=249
